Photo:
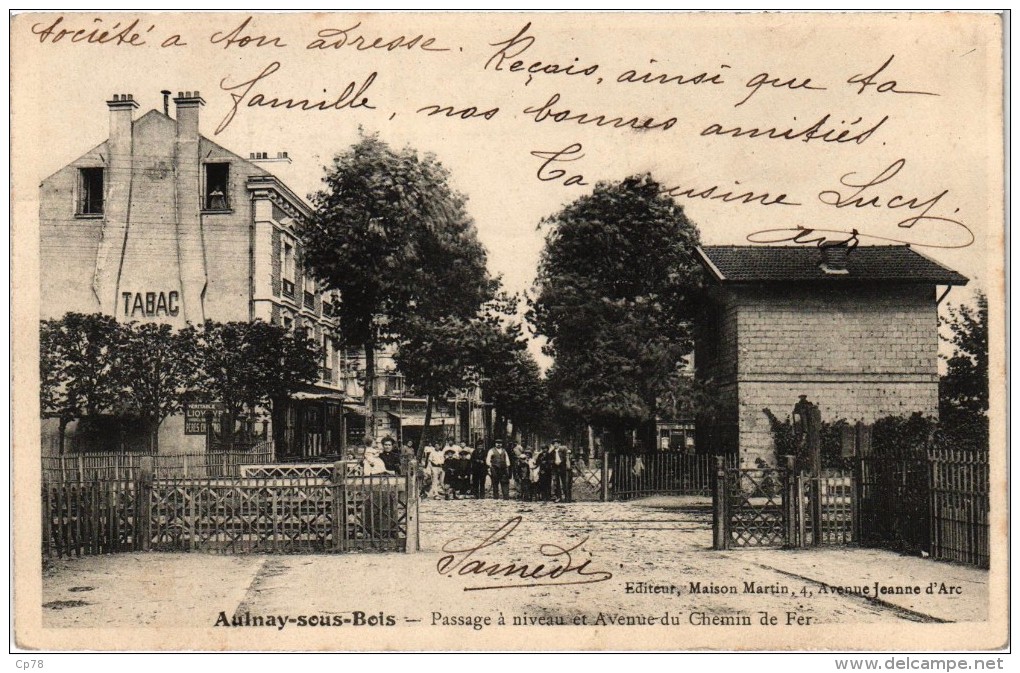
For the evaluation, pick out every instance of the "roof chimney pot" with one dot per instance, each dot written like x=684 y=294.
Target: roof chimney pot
x=834 y=258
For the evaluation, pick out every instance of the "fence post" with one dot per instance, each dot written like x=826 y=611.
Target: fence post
x=719 y=520
x=143 y=498
x=604 y=484
x=855 y=494
x=790 y=503
x=411 y=505
x=801 y=519
x=339 y=506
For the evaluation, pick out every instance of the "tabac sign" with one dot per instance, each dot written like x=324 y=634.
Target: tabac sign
x=198 y=415
x=151 y=304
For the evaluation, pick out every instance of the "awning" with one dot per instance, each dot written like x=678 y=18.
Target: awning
x=420 y=420
x=336 y=397
x=359 y=409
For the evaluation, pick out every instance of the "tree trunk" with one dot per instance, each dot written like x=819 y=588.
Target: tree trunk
x=227 y=428
x=648 y=435
x=369 y=391
x=489 y=429
x=425 y=426
x=154 y=436
x=61 y=435
x=502 y=423
x=616 y=440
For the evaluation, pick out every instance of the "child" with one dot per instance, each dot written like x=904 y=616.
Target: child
x=450 y=474
x=523 y=476
x=463 y=464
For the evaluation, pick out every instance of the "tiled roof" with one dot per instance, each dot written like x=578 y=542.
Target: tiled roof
x=763 y=264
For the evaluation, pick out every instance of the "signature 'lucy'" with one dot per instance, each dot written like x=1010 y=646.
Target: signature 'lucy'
x=562 y=565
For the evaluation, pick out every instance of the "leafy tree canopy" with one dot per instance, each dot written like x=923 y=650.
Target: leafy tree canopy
x=396 y=241
x=963 y=390
x=249 y=364
x=615 y=295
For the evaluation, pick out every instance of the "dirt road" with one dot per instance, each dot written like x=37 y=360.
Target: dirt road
x=636 y=559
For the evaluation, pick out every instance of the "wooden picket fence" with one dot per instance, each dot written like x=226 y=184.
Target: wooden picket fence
x=102 y=517
x=343 y=511
x=935 y=502
x=87 y=467
x=959 y=506
x=635 y=475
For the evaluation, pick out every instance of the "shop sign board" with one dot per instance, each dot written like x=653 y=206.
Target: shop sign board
x=197 y=415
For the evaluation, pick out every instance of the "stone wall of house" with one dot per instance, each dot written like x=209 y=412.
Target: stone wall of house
x=860 y=353
x=68 y=244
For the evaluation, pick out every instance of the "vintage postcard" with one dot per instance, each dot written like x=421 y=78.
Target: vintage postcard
x=508 y=331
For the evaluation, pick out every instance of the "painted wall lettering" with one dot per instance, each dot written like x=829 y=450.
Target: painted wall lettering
x=151 y=304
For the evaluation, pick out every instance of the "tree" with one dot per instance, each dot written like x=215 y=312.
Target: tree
x=246 y=365
x=518 y=394
x=79 y=364
x=158 y=366
x=437 y=357
x=391 y=236
x=963 y=390
x=511 y=381
x=615 y=296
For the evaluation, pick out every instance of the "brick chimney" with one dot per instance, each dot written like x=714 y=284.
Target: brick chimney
x=116 y=206
x=834 y=258
x=187 y=104
x=122 y=108
x=188 y=186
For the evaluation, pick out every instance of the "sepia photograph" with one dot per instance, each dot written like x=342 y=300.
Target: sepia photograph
x=524 y=332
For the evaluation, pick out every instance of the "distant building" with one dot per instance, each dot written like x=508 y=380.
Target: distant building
x=856 y=330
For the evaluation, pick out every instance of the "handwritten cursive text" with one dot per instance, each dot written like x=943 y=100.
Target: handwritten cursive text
x=352 y=97
x=461 y=561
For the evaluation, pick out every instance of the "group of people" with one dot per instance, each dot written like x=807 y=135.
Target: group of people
x=455 y=472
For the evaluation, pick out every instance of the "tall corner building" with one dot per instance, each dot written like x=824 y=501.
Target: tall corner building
x=159 y=223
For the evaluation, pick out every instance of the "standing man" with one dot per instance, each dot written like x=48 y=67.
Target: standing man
x=479 y=470
x=561 y=470
x=498 y=462
x=435 y=460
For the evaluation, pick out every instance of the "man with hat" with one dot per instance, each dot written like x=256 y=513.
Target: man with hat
x=450 y=473
x=498 y=462
x=463 y=464
x=479 y=470
x=561 y=470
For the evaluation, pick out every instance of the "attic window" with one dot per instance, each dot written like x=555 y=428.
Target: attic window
x=216 y=177
x=90 y=191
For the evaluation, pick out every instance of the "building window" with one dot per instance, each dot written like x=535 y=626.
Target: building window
x=288 y=322
x=309 y=292
x=216 y=176
x=90 y=191
x=288 y=270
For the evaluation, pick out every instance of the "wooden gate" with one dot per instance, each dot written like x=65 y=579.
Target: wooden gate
x=587 y=479
x=284 y=509
x=776 y=507
x=826 y=510
x=636 y=475
x=750 y=507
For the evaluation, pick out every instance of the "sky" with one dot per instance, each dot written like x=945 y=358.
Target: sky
x=917 y=99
